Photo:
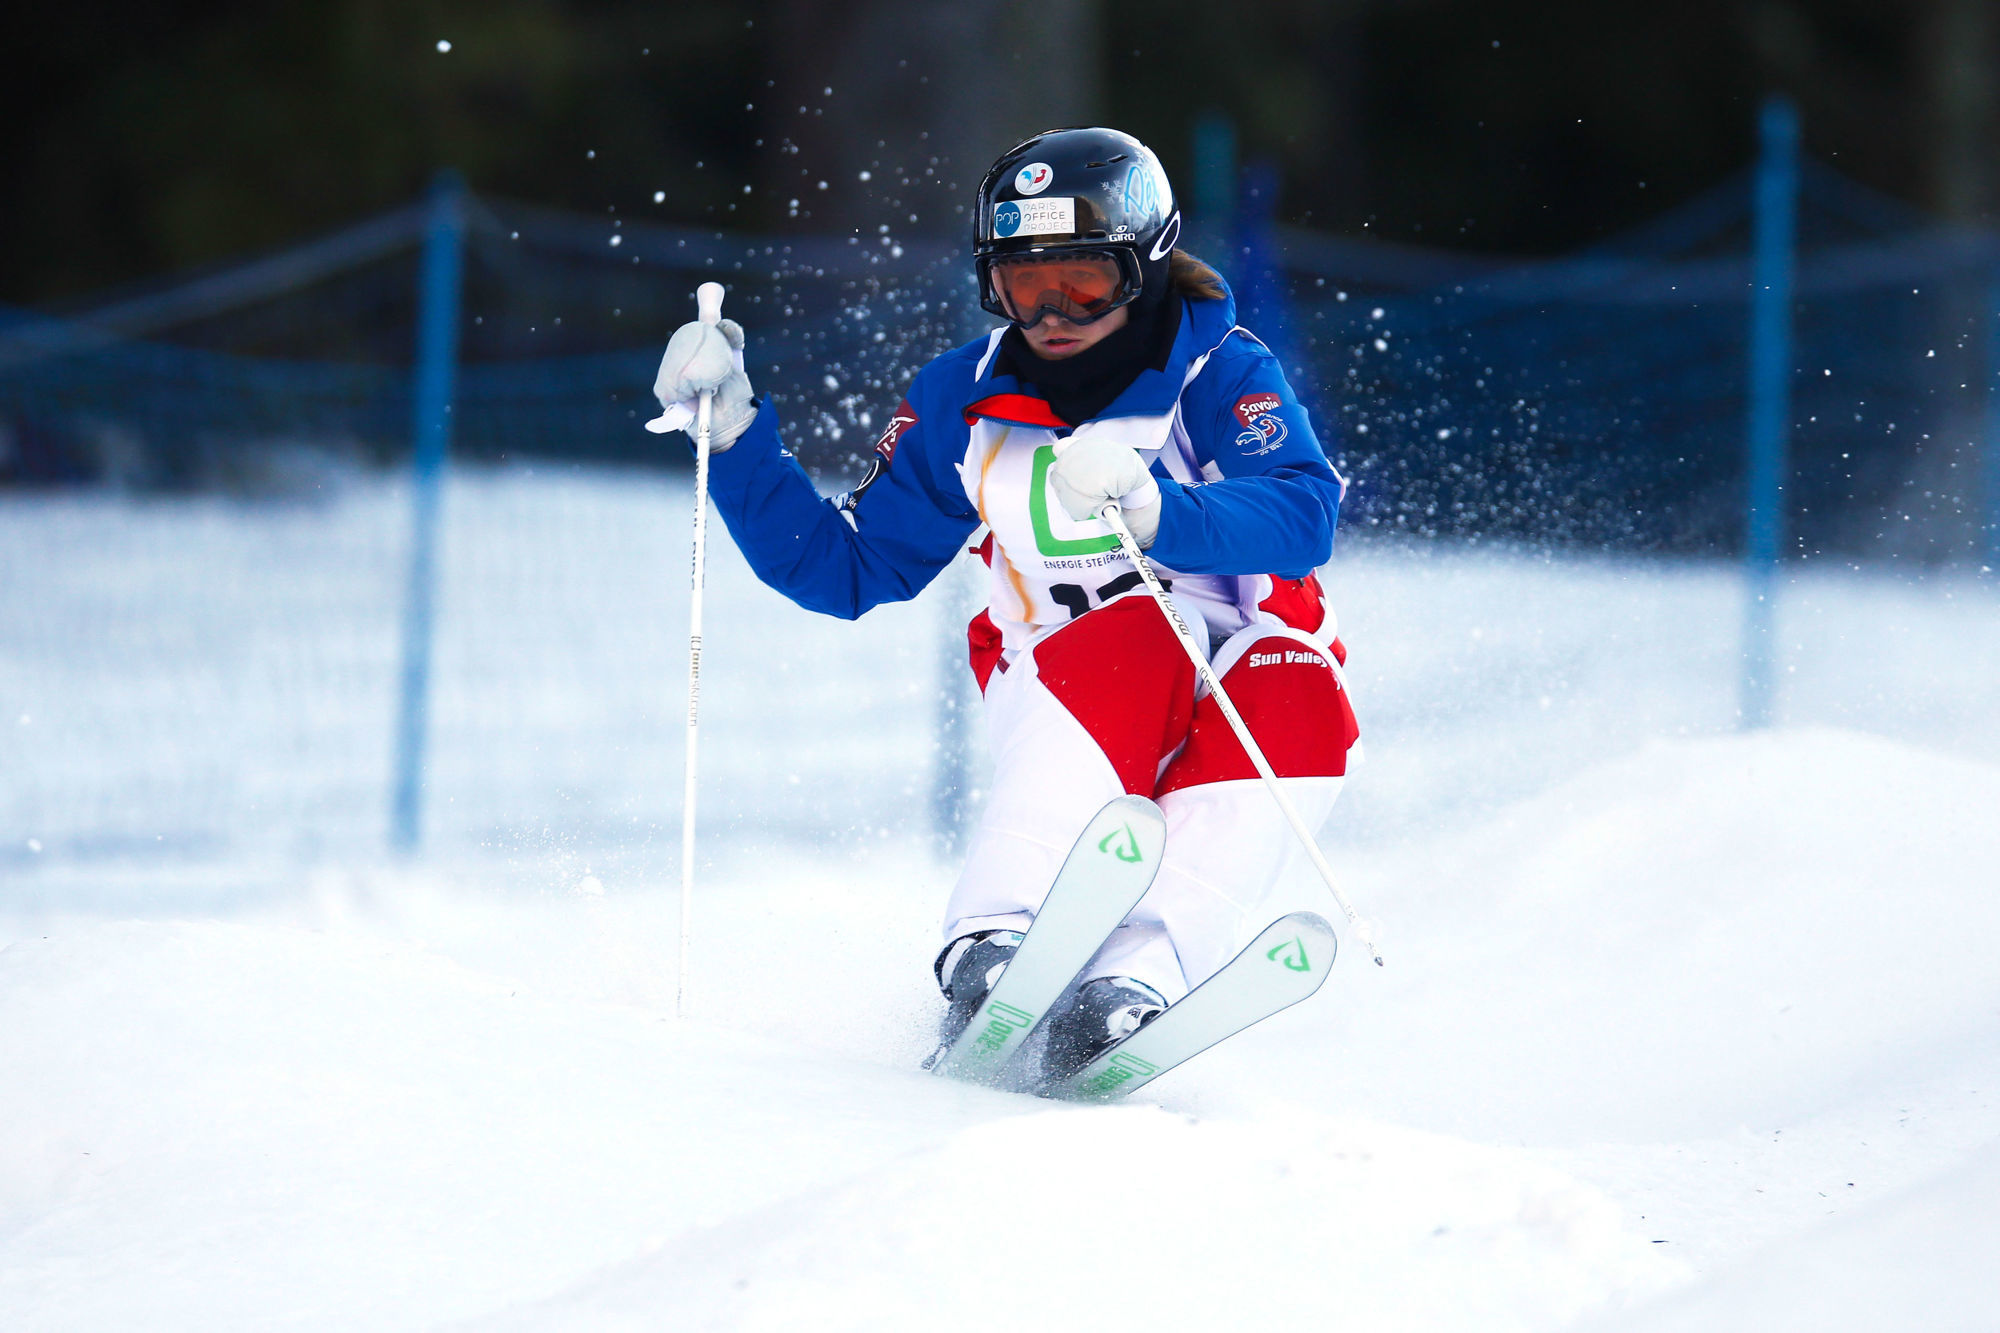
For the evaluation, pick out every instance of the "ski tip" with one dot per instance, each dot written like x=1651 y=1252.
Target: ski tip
x=1129 y=827
x=1130 y=805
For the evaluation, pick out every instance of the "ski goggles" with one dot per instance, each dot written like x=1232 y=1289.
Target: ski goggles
x=1081 y=286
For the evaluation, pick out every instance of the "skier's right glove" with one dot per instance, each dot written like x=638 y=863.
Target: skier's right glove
x=705 y=358
x=1089 y=474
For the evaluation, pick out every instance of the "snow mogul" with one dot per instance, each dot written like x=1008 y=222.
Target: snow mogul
x=1120 y=376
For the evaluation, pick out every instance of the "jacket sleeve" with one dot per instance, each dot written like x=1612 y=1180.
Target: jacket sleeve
x=840 y=556
x=1273 y=509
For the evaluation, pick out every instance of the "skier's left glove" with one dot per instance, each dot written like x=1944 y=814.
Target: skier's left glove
x=705 y=358
x=1089 y=474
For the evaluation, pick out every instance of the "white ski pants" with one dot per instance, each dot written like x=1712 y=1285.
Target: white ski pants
x=1109 y=704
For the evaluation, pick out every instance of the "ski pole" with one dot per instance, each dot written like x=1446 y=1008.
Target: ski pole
x=708 y=308
x=1112 y=515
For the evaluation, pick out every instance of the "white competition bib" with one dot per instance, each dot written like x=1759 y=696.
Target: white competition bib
x=1048 y=568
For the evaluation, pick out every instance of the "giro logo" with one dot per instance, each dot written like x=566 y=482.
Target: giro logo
x=1034 y=178
x=1171 y=234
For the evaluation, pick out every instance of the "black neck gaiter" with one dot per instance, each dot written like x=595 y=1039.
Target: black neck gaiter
x=1079 y=387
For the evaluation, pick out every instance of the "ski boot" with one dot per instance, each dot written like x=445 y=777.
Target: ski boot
x=966 y=971
x=1092 y=1019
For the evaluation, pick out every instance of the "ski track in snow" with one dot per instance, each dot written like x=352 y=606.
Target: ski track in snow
x=1680 y=1029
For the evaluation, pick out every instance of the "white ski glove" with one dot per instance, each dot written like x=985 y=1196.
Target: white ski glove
x=1089 y=474
x=704 y=358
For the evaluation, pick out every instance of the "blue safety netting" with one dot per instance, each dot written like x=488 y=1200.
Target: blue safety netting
x=1598 y=398
x=1601 y=398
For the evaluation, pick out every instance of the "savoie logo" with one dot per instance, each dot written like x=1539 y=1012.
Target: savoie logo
x=1259 y=411
x=1007 y=219
x=1034 y=178
x=1252 y=406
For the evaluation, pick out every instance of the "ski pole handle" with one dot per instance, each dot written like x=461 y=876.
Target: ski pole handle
x=708 y=308
x=708 y=303
x=1113 y=515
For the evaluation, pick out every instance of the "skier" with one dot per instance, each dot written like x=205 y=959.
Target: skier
x=1119 y=375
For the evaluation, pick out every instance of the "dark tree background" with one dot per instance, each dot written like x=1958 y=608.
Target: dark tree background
x=146 y=138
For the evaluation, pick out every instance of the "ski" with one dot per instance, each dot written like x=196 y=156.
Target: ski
x=1283 y=965
x=1106 y=873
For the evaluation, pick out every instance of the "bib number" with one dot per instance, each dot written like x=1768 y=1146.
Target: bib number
x=1076 y=599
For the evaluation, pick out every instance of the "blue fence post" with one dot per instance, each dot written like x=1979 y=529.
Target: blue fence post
x=1214 y=216
x=1990 y=508
x=1775 y=219
x=1261 y=298
x=435 y=377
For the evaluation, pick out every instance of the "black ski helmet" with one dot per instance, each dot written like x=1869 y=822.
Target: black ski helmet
x=1088 y=189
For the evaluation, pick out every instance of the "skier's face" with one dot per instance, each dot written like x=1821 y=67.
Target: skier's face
x=1055 y=337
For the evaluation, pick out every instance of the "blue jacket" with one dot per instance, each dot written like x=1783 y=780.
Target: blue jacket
x=1269 y=508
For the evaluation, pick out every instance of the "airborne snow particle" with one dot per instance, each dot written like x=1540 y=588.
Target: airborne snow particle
x=659 y=196
x=443 y=45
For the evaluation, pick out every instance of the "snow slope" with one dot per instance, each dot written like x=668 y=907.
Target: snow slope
x=263 y=1126
x=1681 y=1028
x=1917 y=1260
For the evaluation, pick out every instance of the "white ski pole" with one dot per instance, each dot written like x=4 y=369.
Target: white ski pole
x=1112 y=515
x=708 y=308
